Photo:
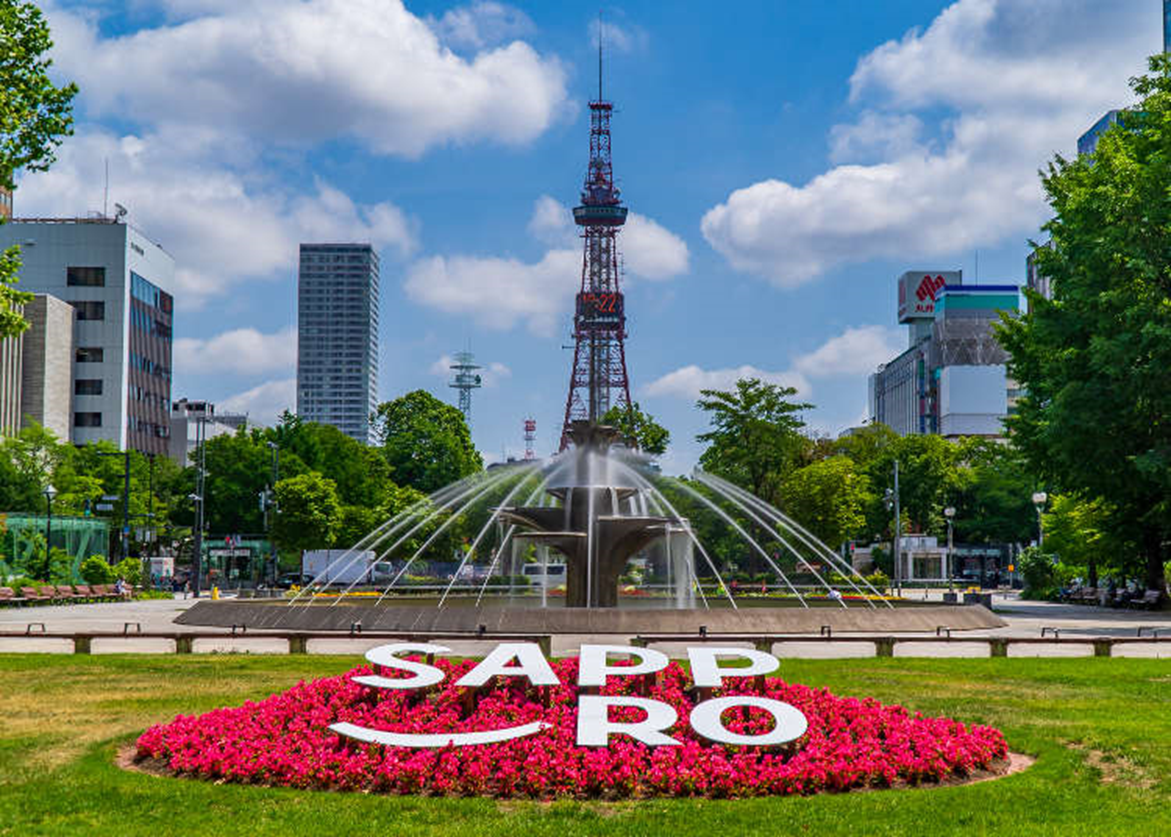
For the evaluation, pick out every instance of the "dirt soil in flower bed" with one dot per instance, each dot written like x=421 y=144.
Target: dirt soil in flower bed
x=285 y=740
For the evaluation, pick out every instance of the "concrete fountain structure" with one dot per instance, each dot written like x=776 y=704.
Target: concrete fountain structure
x=594 y=505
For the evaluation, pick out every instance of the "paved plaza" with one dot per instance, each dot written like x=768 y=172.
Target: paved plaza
x=1025 y=619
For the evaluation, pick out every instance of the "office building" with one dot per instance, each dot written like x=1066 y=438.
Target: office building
x=337 y=336
x=35 y=369
x=952 y=378
x=116 y=279
x=186 y=417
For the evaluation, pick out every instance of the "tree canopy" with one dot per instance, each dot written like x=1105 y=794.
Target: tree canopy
x=1094 y=359
x=35 y=115
x=650 y=436
x=756 y=436
x=426 y=443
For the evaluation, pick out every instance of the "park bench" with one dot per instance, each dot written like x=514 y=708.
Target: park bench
x=84 y=591
x=1148 y=601
x=8 y=597
x=35 y=596
x=64 y=593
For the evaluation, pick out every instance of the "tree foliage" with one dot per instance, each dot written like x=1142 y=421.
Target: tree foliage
x=829 y=498
x=650 y=436
x=35 y=115
x=426 y=442
x=310 y=515
x=756 y=438
x=1094 y=360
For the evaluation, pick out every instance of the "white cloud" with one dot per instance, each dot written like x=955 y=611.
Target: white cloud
x=305 y=72
x=651 y=251
x=223 y=223
x=480 y=24
x=263 y=403
x=687 y=381
x=490 y=373
x=552 y=223
x=997 y=85
x=500 y=292
x=875 y=137
x=240 y=351
x=624 y=38
x=856 y=351
x=496 y=292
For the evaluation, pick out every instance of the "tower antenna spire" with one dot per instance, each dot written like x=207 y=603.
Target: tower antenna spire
x=600 y=30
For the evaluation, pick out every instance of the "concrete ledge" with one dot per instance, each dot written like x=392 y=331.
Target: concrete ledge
x=561 y=620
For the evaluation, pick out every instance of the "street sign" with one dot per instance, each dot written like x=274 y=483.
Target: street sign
x=111 y=498
x=104 y=507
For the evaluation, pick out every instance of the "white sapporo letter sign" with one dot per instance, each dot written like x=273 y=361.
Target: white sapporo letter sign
x=594 y=727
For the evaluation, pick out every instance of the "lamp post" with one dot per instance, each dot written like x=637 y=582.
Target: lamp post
x=949 y=513
x=892 y=502
x=270 y=501
x=50 y=492
x=1039 y=499
x=197 y=557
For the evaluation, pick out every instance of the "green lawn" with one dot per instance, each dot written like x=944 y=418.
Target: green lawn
x=1101 y=729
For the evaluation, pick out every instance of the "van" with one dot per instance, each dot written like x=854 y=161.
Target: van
x=550 y=575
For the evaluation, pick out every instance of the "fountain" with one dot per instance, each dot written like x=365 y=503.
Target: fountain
x=599 y=504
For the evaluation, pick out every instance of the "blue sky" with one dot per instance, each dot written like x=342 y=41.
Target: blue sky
x=784 y=162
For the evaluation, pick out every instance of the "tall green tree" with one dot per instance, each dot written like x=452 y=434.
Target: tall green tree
x=650 y=436
x=1094 y=360
x=426 y=442
x=310 y=514
x=928 y=480
x=829 y=498
x=35 y=115
x=361 y=473
x=756 y=438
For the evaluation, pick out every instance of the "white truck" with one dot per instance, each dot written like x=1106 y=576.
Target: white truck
x=344 y=567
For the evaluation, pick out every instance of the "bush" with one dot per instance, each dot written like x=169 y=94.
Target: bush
x=96 y=570
x=129 y=570
x=18 y=581
x=509 y=580
x=153 y=594
x=1039 y=572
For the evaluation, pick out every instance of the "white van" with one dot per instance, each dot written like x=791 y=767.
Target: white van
x=549 y=575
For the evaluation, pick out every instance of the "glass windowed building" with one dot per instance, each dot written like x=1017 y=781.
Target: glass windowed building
x=337 y=336
x=116 y=280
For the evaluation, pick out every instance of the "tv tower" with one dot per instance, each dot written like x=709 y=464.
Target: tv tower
x=530 y=439
x=598 y=379
x=465 y=381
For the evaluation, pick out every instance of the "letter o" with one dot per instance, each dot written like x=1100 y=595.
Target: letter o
x=790 y=721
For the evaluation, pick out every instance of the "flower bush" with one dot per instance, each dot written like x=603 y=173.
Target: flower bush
x=285 y=740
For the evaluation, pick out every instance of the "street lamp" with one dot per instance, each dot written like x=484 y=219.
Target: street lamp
x=1039 y=498
x=197 y=558
x=50 y=492
x=949 y=513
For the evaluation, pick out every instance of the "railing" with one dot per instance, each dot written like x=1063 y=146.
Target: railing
x=298 y=641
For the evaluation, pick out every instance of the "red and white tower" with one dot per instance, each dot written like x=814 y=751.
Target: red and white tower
x=598 y=380
x=530 y=439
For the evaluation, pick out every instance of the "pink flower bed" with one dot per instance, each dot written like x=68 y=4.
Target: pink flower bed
x=285 y=740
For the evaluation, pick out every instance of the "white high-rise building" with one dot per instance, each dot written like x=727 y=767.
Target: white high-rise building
x=337 y=336
x=117 y=281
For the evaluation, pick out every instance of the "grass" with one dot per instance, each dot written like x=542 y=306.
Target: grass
x=1101 y=729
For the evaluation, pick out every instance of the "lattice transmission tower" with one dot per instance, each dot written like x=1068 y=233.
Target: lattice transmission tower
x=598 y=379
x=465 y=381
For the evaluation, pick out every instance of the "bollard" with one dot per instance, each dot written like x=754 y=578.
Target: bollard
x=184 y=644
x=998 y=648
x=765 y=645
x=298 y=644
x=81 y=644
x=884 y=647
x=1102 y=647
